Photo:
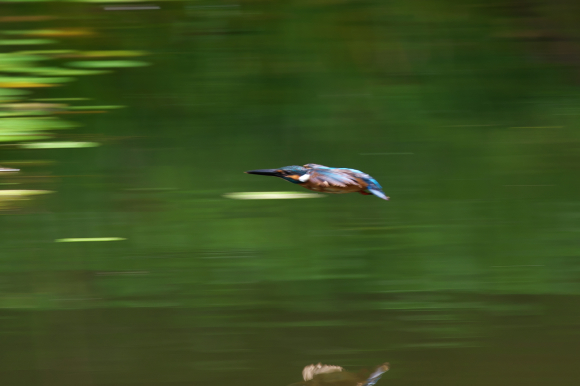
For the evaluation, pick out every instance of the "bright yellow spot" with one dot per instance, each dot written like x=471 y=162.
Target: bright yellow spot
x=25 y=85
x=24 y=192
x=270 y=195
x=57 y=145
x=81 y=239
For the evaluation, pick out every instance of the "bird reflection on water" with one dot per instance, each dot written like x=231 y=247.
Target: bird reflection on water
x=327 y=375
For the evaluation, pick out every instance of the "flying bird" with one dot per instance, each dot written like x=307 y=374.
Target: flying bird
x=327 y=180
x=326 y=375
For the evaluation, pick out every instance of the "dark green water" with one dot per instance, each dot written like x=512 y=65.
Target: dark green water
x=465 y=113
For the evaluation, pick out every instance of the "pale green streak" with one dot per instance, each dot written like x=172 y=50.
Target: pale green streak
x=82 y=239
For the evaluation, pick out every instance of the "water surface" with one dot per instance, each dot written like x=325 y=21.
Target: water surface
x=125 y=260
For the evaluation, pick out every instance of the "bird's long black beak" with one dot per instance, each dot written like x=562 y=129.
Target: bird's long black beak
x=264 y=172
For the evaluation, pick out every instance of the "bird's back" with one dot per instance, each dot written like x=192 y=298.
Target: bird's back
x=373 y=184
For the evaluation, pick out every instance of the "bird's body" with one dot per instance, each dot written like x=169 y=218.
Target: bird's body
x=325 y=375
x=327 y=180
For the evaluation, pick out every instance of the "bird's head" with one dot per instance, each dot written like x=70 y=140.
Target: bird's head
x=289 y=173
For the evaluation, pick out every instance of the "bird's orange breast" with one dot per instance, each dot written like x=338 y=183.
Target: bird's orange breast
x=326 y=188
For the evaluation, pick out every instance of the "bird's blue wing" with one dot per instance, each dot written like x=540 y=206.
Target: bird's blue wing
x=368 y=179
x=342 y=177
x=373 y=186
x=334 y=177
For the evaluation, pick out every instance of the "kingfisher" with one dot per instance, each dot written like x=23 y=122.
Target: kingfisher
x=326 y=375
x=325 y=179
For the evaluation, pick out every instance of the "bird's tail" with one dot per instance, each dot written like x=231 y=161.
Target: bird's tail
x=376 y=375
x=379 y=193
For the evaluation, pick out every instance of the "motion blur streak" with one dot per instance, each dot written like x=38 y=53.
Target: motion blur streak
x=134 y=251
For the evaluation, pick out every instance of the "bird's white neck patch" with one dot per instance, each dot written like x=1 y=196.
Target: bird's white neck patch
x=304 y=177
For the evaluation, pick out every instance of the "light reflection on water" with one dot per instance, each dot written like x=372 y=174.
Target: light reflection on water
x=468 y=276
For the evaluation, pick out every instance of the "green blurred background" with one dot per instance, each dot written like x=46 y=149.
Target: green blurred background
x=132 y=122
